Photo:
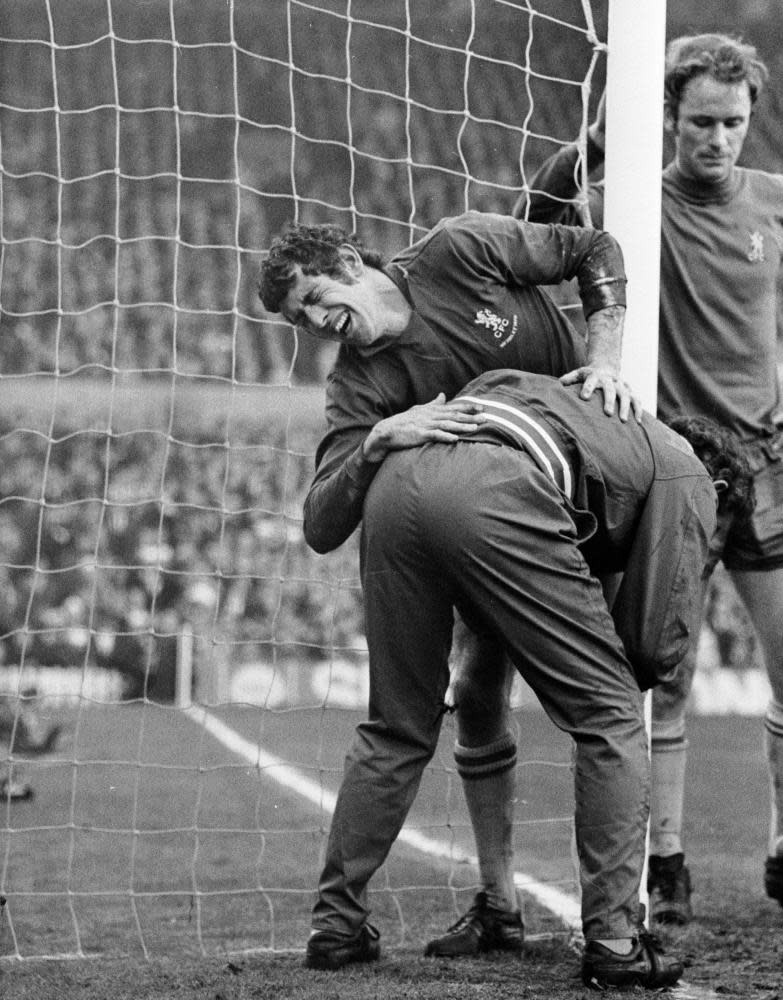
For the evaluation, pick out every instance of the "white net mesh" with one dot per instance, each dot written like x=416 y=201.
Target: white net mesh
x=156 y=442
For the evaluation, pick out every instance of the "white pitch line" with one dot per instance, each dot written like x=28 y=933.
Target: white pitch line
x=685 y=991
x=564 y=907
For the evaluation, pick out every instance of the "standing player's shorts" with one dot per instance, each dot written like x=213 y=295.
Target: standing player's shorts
x=755 y=542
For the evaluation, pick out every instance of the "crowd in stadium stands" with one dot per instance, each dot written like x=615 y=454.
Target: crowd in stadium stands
x=191 y=533
x=230 y=563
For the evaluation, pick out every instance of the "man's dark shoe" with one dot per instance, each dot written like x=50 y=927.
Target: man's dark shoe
x=332 y=951
x=669 y=886
x=773 y=878
x=482 y=928
x=15 y=790
x=647 y=965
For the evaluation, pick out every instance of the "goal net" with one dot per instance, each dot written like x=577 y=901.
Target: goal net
x=179 y=673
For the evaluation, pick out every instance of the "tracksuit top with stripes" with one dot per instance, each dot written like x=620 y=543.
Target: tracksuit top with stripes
x=603 y=468
x=473 y=285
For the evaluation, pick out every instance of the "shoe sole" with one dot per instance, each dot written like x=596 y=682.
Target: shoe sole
x=630 y=982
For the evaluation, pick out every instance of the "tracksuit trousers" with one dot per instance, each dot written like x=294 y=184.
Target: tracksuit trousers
x=479 y=526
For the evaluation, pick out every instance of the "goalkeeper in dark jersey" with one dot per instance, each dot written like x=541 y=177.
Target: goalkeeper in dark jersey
x=511 y=524
x=464 y=299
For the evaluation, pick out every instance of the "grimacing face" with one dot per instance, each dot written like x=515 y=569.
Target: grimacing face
x=344 y=309
x=710 y=128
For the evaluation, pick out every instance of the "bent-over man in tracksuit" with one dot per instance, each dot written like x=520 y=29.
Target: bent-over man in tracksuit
x=500 y=525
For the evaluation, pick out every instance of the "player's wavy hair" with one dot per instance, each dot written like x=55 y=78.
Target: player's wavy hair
x=726 y=59
x=722 y=454
x=316 y=249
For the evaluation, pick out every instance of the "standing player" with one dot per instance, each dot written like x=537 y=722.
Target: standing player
x=464 y=299
x=495 y=524
x=721 y=242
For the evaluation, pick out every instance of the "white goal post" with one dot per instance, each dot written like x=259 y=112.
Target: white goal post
x=632 y=208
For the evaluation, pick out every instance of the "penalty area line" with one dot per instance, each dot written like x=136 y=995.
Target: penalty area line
x=563 y=906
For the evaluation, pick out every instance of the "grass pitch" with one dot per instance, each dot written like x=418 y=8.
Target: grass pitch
x=178 y=871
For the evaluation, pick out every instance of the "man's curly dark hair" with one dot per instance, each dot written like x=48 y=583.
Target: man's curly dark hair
x=316 y=249
x=721 y=452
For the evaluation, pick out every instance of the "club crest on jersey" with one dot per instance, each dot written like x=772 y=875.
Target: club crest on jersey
x=493 y=322
x=756 y=251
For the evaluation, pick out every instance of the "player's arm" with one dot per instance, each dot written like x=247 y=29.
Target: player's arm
x=553 y=190
x=434 y=421
x=554 y=187
x=333 y=505
x=350 y=454
x=602 y=367
x=604 y=309
x=548 y=254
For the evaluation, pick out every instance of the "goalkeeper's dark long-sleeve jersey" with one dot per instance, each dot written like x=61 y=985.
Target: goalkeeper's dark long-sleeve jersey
x=474 y=285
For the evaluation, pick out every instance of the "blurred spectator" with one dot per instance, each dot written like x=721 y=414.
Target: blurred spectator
x=25 y=733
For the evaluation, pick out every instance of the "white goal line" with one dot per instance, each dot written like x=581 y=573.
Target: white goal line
x=566 y=908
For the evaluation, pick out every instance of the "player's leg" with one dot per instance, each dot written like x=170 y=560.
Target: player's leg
x=31 y=735
x=669 y=882
x=486 y=757
x=516 y=561
x=754 y=559
x=762 y=595
x=485 y=754
x=408 y=617
x=658 y=613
